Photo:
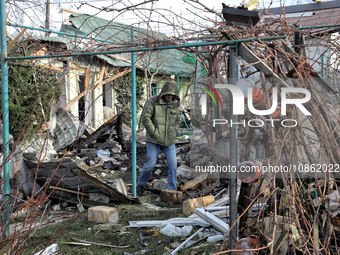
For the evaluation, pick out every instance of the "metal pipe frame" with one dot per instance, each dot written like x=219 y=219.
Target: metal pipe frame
x=59 y=33
x=134 y=113
x=234 y=76
x=305 y=7
x=5 y=115
x=129 y=50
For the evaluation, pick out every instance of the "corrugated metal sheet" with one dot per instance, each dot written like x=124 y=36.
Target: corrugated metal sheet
x=60 y=39
x=105 y=29
x=51 y=39
x=168 y=61
x=114 y=61
x=110 y=59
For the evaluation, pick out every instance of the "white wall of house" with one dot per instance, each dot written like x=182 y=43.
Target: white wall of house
x=73 y=90
x=97 y=106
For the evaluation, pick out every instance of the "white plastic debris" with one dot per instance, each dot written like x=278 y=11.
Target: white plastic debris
x=333 y=201
x=49 y=250
x=172 y=231
x=216 y=238
x=186 y=241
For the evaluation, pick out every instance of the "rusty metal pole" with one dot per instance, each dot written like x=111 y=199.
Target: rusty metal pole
x=234 y=76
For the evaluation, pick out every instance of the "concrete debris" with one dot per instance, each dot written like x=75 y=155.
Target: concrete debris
x=103 y=214
x=185 y=172
x=160 y=184
x=190 y=205
x=171 y=196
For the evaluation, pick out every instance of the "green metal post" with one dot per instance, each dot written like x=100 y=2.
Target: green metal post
x=316 y=27
x=59 y=33
x=5 y=113
x=178 y=83
x=322 y=68
x=133 y=127
x=234 y=160
x=136 y=49
x=322 y=63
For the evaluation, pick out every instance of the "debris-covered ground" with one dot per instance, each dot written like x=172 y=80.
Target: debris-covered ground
x=83 y=199
x=72 y=185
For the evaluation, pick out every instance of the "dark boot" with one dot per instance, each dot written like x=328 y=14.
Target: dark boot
x=140 y=190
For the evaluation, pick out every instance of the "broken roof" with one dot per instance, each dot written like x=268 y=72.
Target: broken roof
x=167 y=61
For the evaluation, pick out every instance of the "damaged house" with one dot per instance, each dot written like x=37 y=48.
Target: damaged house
x=89 y=105
x=90 y=83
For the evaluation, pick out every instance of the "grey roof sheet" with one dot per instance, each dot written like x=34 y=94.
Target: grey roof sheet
x=114 y=61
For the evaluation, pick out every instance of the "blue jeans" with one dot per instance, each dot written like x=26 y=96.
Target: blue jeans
x=152 y=151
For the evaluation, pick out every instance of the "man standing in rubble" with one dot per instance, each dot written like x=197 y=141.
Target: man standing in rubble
x=161 y=119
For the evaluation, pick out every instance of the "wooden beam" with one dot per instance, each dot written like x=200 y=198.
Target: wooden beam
x=50 y=67
x=104 y=187
x=191 y=184
x=77 y=192
x=68 y=190
x=78 y=68
x=87 y=78
x=249 y=56
x=90 y=89
x=68 y=11
x=11 y=44
x=93 y=86
x=101 y=77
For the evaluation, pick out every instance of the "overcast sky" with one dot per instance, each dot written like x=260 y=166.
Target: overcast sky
x=37 y=18
x=177 y=6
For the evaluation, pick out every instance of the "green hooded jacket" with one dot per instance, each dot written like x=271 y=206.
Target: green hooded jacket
x=161 y=119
